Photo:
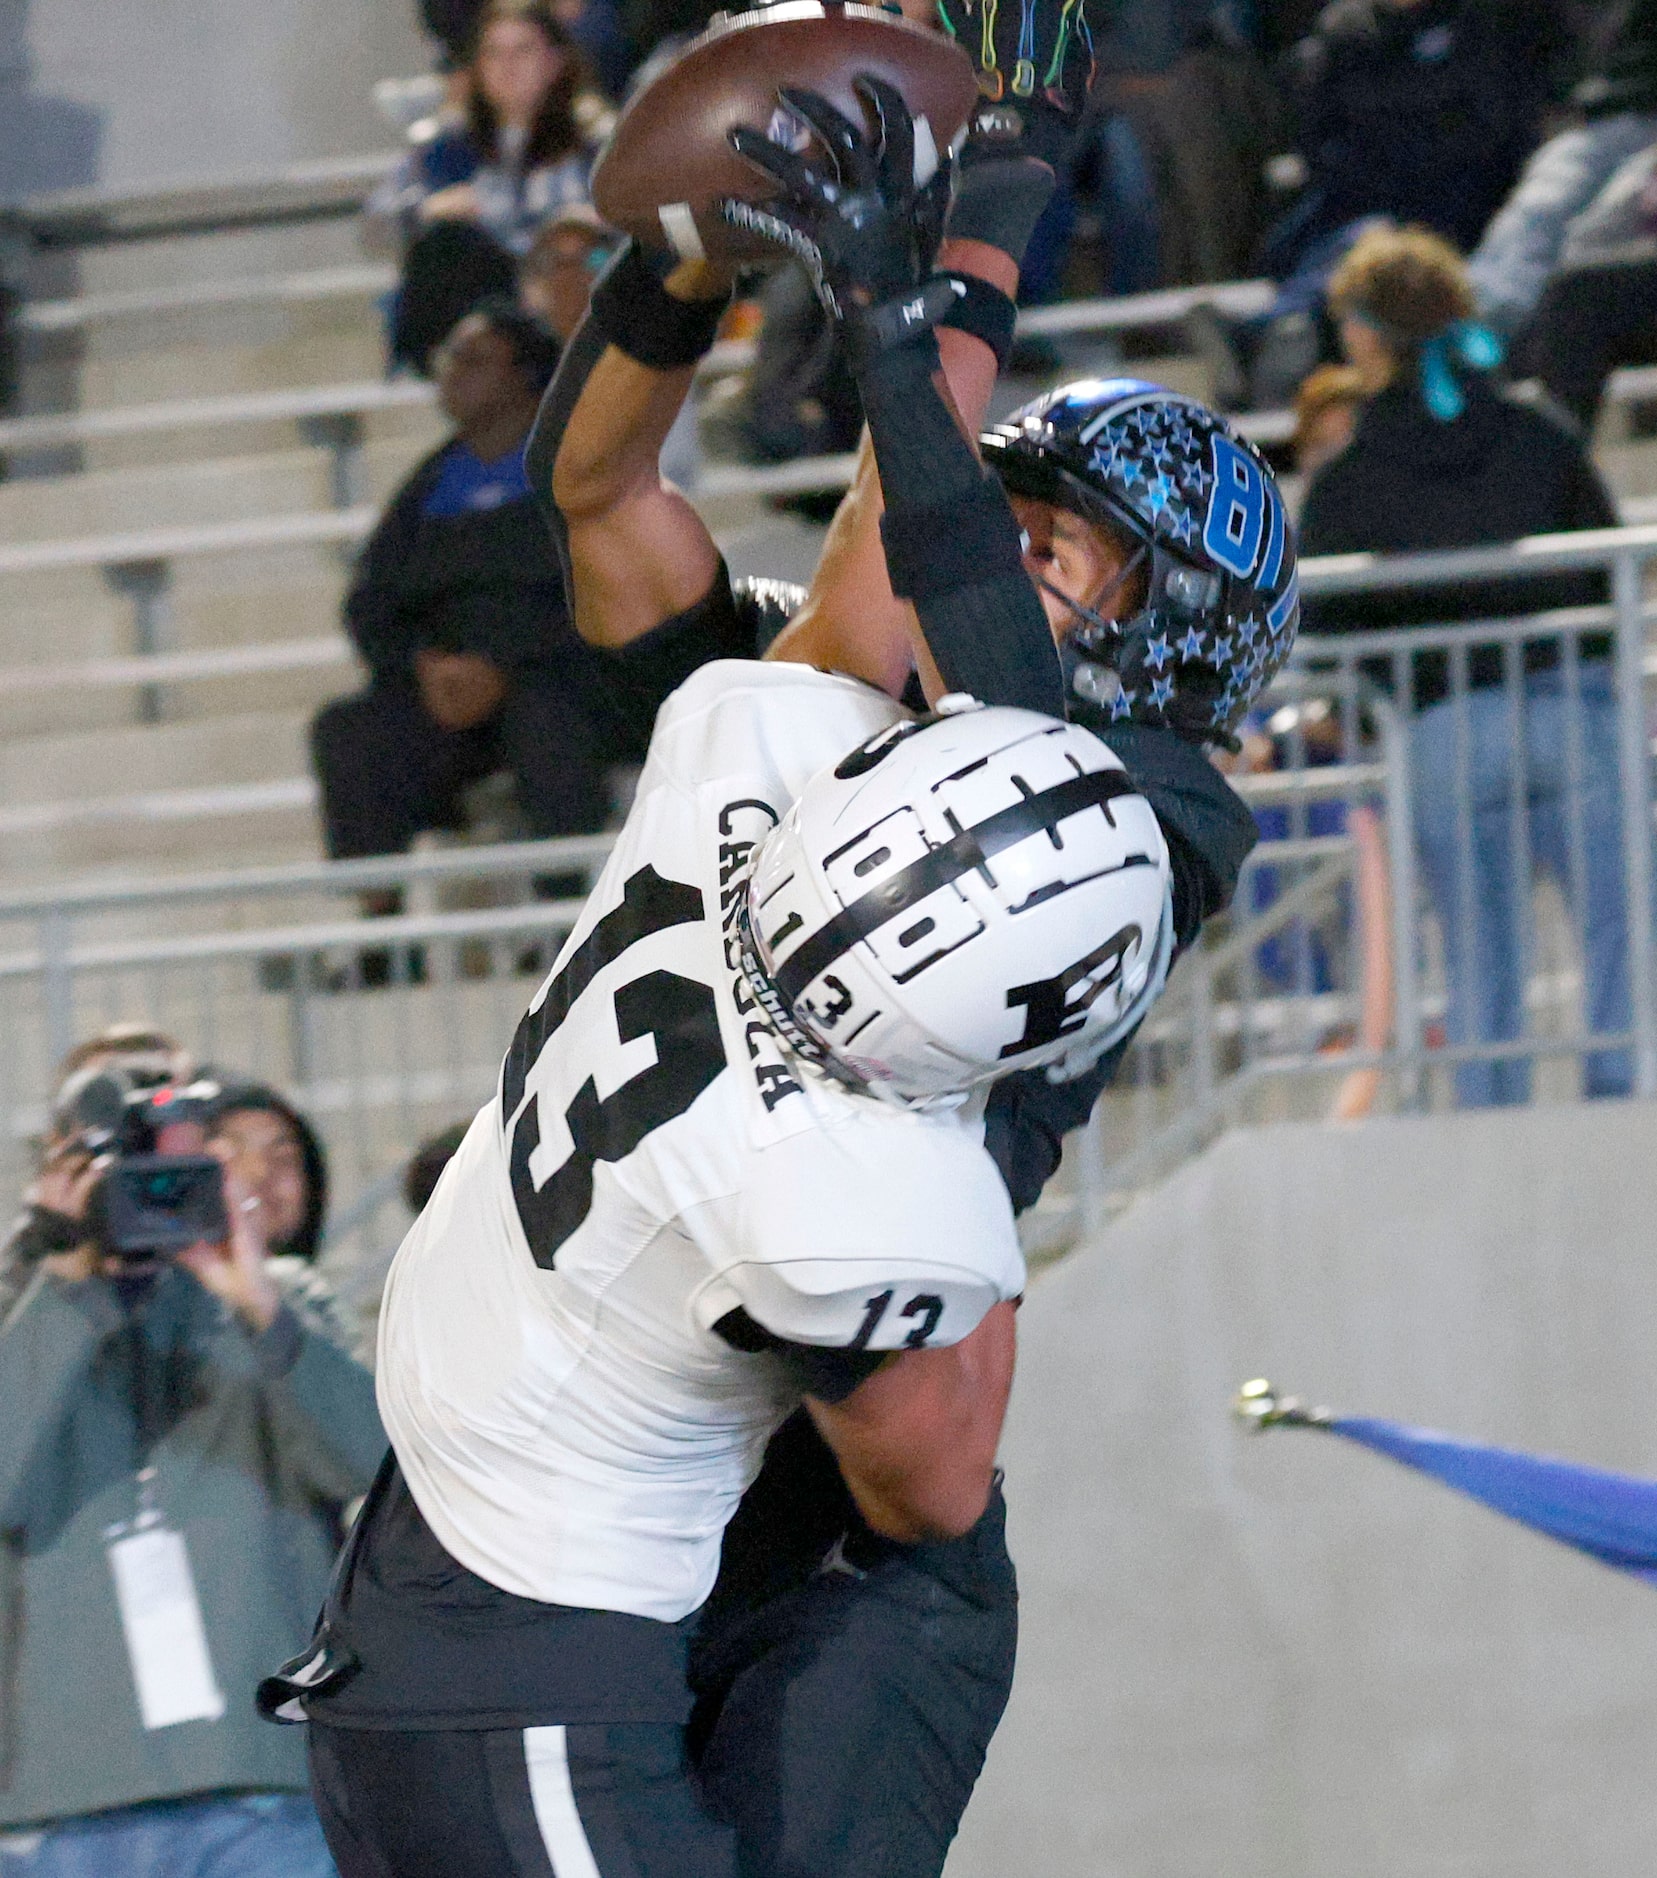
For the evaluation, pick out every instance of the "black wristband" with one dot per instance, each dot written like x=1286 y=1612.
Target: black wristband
x=985 y=312
x=969 y=541
x=638 y=316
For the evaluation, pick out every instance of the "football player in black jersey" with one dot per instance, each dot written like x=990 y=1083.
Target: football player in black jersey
x=848 y=1685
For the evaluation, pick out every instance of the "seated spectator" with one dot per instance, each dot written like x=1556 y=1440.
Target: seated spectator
x=426 y=1164
x=529 y=155
x=1416 y=111
x=1599 y=310
x=594 y=25
x=457 y=609
x=1326 y=414
x=1579 y=186
x=179 y=1438
x=1442 y=459
x=556 y=276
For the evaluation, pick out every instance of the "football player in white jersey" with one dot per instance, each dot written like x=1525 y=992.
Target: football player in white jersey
x=848 y=1687
x=736 y=1161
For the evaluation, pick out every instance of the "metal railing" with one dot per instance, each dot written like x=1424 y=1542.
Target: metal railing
x=1332 y=987
x=383 y=1030
x=1474 y=923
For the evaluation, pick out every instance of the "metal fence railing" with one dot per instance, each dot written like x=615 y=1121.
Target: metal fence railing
x=383 y=1031
x=1458 y=904
x=1455 y=904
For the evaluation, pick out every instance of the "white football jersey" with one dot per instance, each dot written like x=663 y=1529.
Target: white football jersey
x=567 y=1419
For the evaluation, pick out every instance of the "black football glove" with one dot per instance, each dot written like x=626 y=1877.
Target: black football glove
x=866 y=231
x=1035 y=65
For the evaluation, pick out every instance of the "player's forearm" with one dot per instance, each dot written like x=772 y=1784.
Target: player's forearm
x=852 y=621
x=916 y=1443
x=635 y=551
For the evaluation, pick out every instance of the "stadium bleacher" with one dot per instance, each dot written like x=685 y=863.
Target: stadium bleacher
x=171 y=584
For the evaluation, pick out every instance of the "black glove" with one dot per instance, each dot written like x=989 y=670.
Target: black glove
x=866 y=233
x=1035 y=64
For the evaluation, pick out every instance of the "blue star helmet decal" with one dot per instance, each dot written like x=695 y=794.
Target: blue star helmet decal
x=1221 y=600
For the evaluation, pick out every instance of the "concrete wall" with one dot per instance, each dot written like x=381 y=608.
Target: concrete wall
x=145 y=90
x=1283 y=1657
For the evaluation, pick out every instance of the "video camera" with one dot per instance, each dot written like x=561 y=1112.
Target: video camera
x=150 y=1203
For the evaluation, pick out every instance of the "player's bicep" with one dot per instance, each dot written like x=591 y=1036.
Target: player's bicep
x=916 y=1441
x=637 y=563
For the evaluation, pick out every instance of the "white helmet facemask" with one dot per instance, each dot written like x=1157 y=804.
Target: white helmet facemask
x=959 y=898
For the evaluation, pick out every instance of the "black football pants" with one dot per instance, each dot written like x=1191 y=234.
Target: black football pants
x=847 y=1688
x=388 y=773
x=615 y=1802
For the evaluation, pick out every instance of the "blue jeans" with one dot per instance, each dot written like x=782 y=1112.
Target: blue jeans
x=1482 y=917
x=1523 y=244
x=1127 y=207
x=251 y=1835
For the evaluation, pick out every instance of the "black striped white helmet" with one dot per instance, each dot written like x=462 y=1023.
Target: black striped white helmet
x=962 y=896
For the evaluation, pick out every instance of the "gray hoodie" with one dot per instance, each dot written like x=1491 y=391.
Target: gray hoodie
x=256 y=1442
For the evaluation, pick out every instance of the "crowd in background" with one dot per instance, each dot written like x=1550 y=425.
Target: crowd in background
x=1449 y=196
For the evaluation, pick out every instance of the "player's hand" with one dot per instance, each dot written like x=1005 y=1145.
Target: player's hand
x=58 y=1199
x=867 y=228
x=1035 y=65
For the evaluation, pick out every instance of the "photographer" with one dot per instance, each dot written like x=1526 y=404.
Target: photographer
x=179 y=1432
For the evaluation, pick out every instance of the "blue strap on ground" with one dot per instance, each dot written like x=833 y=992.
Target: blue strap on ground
x=1611 y=1517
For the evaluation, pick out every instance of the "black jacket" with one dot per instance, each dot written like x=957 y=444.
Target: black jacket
x=1423 y=113
x=1624 y=77
x=486 y=582
x=1505 y=468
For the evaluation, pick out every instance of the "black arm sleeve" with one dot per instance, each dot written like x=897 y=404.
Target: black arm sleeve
x=952 y=546
x=657 y=663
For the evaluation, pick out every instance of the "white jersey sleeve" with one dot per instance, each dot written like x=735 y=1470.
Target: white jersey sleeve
x=885 y=1232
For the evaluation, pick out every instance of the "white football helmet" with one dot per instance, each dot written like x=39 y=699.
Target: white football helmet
x=962 y=896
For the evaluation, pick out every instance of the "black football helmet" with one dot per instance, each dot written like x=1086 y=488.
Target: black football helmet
x=1222 y=598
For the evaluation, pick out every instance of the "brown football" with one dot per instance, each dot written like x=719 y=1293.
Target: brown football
x=668 y=162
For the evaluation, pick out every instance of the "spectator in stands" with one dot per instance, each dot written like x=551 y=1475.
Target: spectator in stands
x=555 y=283
x=1171 y=155
x=526 y=136
x=1597 y=314
x=555 y=279
x=426 y=1165
x=1578 y=188
x=1443 y=459
x=1326 y=414
x=1417 y=111
x=177 y=1443
x=594 y=25
x=457 y=609
x=275 y=1155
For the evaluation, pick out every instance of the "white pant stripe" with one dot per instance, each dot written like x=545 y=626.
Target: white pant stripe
x=553 y=1798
